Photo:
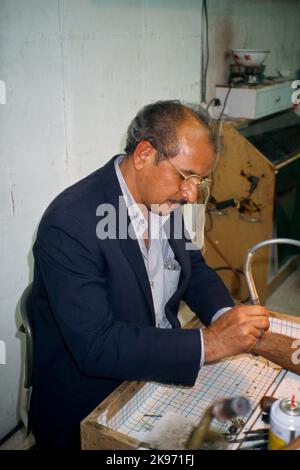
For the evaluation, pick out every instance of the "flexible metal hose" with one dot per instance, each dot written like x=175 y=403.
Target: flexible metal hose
x=249 y=260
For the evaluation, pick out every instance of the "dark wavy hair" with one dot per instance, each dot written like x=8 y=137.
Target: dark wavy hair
x=158 y=122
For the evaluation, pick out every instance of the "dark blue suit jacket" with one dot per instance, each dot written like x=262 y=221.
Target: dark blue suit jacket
x=94 y=321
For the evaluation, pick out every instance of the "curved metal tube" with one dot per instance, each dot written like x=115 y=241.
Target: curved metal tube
x=249 y=259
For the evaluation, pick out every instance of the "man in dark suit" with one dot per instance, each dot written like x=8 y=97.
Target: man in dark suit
x=107 y=288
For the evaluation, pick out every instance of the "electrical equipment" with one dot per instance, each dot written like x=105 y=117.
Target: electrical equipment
x=259 y=172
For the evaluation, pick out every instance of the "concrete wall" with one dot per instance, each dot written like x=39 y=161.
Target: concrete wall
x=76 y=72
x=252 y=24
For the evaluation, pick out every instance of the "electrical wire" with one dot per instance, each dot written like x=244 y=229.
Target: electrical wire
x=237 y=272
x=204 y=51
x=219 y=124
x=204 y=71
x=225 y=102
x=207 y=46
x=209 y=104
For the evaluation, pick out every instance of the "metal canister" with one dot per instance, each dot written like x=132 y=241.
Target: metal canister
x=284 y=422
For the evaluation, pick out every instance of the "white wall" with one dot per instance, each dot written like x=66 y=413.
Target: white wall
x=76 y=72
x=252 y=24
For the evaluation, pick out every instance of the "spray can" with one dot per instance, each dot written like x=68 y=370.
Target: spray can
x=284 y=422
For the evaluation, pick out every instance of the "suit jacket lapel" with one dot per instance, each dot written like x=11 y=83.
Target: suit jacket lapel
x=129 y=245
x=133 y=254
x=178 y=246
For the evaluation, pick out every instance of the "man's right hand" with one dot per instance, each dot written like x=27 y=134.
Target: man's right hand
x=236 y=331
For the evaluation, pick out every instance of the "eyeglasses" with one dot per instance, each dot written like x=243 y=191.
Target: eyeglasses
x=194 y=180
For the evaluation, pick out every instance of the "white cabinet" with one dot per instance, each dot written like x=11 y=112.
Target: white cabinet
x=255 y=102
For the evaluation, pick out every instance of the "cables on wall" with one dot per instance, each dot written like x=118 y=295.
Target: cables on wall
x=204 y=51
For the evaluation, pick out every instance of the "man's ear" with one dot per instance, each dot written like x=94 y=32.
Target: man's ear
x=143 y=154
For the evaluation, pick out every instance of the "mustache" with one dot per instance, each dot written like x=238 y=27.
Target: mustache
x=181 y=202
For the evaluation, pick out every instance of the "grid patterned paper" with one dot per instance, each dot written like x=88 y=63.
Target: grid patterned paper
x=285 y=327
x=243 y=375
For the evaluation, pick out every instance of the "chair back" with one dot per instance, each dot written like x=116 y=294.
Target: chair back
x=27 y=328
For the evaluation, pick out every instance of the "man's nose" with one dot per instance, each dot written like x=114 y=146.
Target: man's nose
x=190 y=194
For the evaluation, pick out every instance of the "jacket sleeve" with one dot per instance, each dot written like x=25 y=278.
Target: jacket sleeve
x=206 y=292
x=75 y=277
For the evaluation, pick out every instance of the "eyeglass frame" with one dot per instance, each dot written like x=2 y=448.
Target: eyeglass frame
x=204 y=180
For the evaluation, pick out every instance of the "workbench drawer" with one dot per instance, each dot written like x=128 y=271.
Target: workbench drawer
x=255 y=102
x=271 y=100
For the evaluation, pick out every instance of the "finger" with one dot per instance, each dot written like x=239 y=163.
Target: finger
x=258 y=333
x=259 y=322
x=254 y=310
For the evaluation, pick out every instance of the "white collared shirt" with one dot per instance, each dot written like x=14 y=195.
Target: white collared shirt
x=162 y=268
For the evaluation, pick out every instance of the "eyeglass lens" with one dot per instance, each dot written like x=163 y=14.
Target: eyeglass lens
x=203 y=187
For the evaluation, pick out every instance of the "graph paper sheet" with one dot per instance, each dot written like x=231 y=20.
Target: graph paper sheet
x=285 y=327
x=243 y=375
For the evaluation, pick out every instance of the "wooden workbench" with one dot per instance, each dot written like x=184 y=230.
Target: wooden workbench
x=95 y=436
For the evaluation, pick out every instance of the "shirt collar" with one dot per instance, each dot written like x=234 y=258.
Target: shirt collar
x=139 y=222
